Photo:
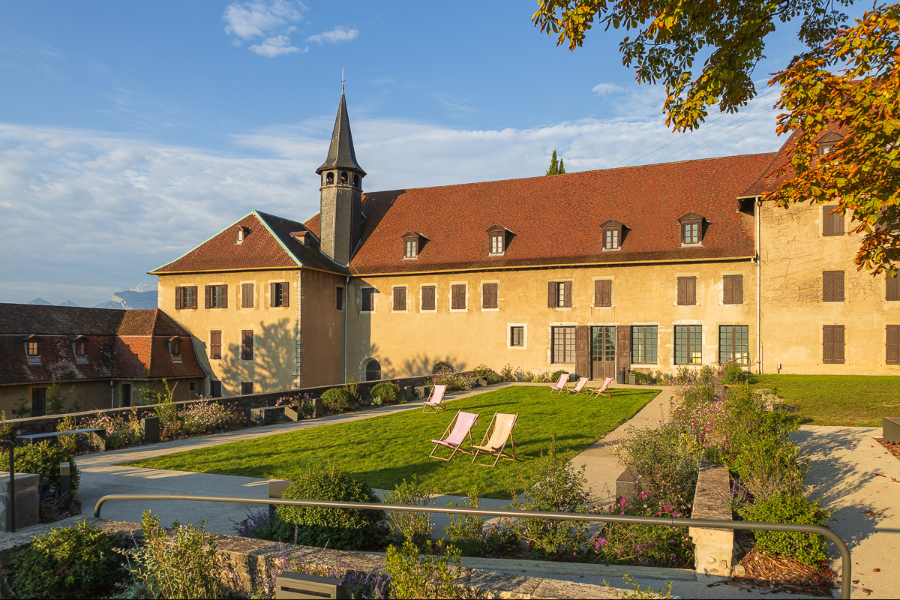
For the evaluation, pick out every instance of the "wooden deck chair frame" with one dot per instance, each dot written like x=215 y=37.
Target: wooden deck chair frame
x=458 y=447
x=560 y=385
x=579 y=387
x=440 y=404
x=499 y=453
x=603 y=390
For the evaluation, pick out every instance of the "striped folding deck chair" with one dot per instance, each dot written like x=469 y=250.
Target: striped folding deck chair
x=603 y=389
x=561 y=384
x=461 y=426
x=578 y=386
x=499 y=432
x=436 y=402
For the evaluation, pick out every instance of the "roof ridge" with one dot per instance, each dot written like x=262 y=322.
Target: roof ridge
x=207 y=240
x=278 y=239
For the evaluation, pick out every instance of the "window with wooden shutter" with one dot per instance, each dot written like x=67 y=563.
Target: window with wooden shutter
x=832 y=224
x=603 y=292
x=208 y=296
x=733 y=289
x=428 y=297
x=559 y=294
x=178 y=304
x=217 y=296
x=367 y=300
x=458 y=296
x=832 y=286
x=279 y=294
x=833 y=344
x=248 y=295
x=892 y=289
x=567 y=294
x=215 y=344
x=399 y=298
x=247 y=344
x=892 y=354
x=192 y=296
x=687 y=291
x=489 y=295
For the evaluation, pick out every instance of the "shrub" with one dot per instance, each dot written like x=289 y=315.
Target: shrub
x=209 y=416
x=180 y=564
x=120 y=430
x=340 y=529
x=44 y=460
x=414 y=527
x=55 y=401
x=6 y=429
x=807 y=548
x=66 y=563
x=507 y=373
x=264 y=524
x=338 y=400
x=423 y=576
x=441 y=367
x=645 y=545
x=69 y=442
x=487 y=373
x=469 y=535
x=556 y=486
x=385 y=392
x=554 y=377
x=732 y=373
x=455 y=382
x=667 y=465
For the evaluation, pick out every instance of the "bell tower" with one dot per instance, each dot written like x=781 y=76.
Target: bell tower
x=340 y=215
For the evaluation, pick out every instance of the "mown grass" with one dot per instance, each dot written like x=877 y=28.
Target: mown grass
x=384 y=451
x=854 y=400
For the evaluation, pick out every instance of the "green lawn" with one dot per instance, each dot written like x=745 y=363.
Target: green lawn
x=857 y=400
x=385 y=450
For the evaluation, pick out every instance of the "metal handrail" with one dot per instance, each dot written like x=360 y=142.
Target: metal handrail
x=11 y=491
x=522 y=514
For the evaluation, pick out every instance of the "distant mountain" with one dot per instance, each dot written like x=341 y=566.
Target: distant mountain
x=143 y=287
x=67 y=303
x=40 y=301
x=130 y=299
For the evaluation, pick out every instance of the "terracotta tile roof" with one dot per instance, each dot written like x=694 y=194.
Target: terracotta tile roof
x=268 y=245
x=120 y=344
x=772 y=177
x=557 y=220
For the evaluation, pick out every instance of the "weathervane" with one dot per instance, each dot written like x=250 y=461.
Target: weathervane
x=342 y=81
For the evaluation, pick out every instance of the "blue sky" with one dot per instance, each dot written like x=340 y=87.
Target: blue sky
x=132 y=131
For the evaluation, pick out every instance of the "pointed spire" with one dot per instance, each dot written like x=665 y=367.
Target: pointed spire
x=341 y=154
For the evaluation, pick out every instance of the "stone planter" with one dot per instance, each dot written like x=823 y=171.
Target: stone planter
x=27 y=501
x=891 y=429
x=150 y=430
x=713 y=548
x=292 y=414
x=482 y=382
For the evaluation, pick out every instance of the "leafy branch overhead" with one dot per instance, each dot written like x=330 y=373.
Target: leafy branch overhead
x=845 y=79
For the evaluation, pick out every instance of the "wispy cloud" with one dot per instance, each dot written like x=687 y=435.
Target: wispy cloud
x=106 y=208
x=338 y=35
x=604 y=89
x=269 y=23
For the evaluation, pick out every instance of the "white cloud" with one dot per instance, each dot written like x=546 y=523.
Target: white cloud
x=604 y=89
x=338 y=35
x=82 y=210
x=268 y=22
x=274 y=46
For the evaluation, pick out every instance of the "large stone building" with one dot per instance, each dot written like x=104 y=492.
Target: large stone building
x=649 y=268
x=99 y=358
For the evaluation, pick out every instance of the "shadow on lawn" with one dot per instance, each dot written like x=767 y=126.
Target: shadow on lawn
x=836 y=476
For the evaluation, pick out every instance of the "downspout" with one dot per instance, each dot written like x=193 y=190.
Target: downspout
x=112 y=393
x=346 y=321
x=758 y=288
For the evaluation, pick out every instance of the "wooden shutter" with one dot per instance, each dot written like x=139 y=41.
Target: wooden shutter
x=428 y=297
x=215 y=344
x=273 y=294
x=603 y=292
x=733 y=289
x=208 y=296
x=832 y=224
x=286 y=293
x=567 y=294
x=838 y=286
x=247 y=344
x=400 y=298
x=838 y=344
x=489 y=295
x=193 y=296
x=458 y=297
x=224 y=296
x=892 y=355
x=681 y=291
x=583 y=351
x=892 y=289
x=178 y=299
x=551 y=294
x=623 y=347
x=687 y=291
x=832 y=286
x=247 y=293
x=827 y=345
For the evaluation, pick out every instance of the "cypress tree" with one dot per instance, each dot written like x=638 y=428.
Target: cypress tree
x=562 y=167
x=554 y=165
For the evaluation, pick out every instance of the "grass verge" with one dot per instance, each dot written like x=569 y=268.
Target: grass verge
x=383 y=451
x=854 y=400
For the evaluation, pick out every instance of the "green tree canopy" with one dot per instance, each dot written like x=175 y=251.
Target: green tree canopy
x=556 y=166
x=847 y=76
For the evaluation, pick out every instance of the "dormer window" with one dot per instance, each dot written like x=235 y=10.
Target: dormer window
x=81 y=347
x=301 y=236
x=242 y=232
x=412 y=245
x=498 y=237
x=32 y=351
x=691 y=229
x=826 y=143
x=175 y=347
x=612 y=235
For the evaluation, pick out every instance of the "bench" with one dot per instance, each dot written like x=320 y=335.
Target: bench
x=96 y=438
x=891 y=429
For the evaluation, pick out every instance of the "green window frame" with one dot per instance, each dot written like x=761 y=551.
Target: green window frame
x=644 y=344
x=734 y=344
x=563 y=345
x=688 y=344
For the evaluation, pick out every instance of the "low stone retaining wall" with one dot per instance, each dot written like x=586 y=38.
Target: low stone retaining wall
x=27 y=501
x=245 y=404
x=713 y=548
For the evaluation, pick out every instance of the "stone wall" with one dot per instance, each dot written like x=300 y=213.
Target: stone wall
x=713 y=548
x=244 y=404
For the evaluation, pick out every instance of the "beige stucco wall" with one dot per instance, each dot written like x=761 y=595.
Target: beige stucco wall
x=411 y=342
x=320 y=338
x=274 y=329
x=794 y=253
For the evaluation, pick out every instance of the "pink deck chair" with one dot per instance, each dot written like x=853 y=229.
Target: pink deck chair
x=561 y=384
x=578 y=386
x=436 y=402
x=461 y=426
x=602 y=390
x=499 y=432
